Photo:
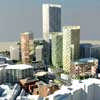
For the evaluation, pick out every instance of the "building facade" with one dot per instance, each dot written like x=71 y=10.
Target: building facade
x=27 y=47
x=14 y=53
x=90 y=50
x=16 y=72
x=84 y=67
x=57 y=39
x=2 y=73
x=51 y=19
x=71 y=40
x=39 y=53
x=51 y=23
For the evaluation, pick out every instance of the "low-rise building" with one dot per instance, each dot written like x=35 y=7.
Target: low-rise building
x=85 y=66
x=89 y=50
x=5 y=60
x=16 y=72
x=40 y=88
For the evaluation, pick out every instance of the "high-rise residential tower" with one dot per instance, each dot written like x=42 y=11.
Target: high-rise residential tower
x=57 y=41
x=51 y=19
x=27 y=46
x=71 y=44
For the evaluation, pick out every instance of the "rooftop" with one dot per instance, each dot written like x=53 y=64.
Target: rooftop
x=4 y=57
x=85 y=60
x=94 y=42
x=3 y=65
x=27 y=80
x=71 y=27
x=40 y=73
x=39 y=47
x=52 y=5
x=58 y=33
x=88 y=45
x=88 y=59
x=27 y=33
x=19 y=66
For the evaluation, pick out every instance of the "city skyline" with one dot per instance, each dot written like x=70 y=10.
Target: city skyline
x=21 y=16
x=43 y=56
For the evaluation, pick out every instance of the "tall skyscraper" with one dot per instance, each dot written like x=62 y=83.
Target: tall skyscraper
x=27 y=46
x=57 y=49
x=71 y=44
x=51 y=19
x=51 y=23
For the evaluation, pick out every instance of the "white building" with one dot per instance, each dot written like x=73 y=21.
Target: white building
x=39 y=53
x=6 y=94
x=51 y=19
x=14 y=53
x=16 y=72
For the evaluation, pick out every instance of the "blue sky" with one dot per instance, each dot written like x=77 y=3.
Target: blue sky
x=18 y=16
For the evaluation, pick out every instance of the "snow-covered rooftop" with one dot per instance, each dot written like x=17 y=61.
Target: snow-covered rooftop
x=19 y=66
x=4 y=57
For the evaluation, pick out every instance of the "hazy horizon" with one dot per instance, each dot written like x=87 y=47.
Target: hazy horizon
x=18 y=16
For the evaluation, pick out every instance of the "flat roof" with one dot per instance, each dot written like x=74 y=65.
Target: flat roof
x=71 y=27
x=88 y=45
x=91 y=41
x=3 y=65
x=19 y=66
x=88 y=60
x=53 y=5
x=58 y=33
x=5 y=57
x=84 y=60
x=27 y=33
x=39 y=47
x=78 y=62
x=41 y=73
x=27 y=80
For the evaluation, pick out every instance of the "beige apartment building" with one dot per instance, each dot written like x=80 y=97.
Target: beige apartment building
x=71 y=40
